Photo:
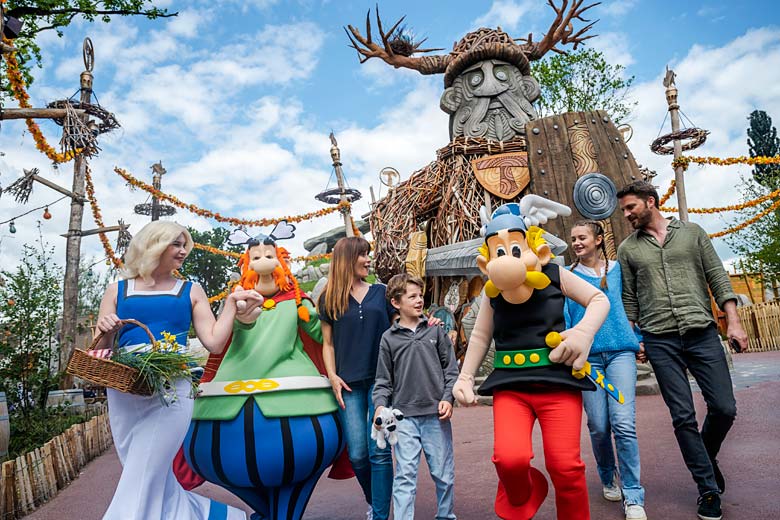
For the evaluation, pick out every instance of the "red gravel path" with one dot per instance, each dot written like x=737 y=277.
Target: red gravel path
x=750 y=459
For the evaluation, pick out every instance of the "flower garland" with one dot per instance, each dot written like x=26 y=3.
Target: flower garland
x=16 y=81
x=265 y=222
x=668 y=194
x=90 y=189
x=733 y=207
x=684 y=160
x=748 y=222
x=214 y=250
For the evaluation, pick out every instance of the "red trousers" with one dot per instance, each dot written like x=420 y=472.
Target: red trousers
x=522 y=488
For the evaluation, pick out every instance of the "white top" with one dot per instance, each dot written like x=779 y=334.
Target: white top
x=589 y=271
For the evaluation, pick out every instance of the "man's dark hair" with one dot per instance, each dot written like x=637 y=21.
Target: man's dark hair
x=640 y=189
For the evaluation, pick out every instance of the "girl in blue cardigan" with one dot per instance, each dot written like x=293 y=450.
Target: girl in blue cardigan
x=613 y=353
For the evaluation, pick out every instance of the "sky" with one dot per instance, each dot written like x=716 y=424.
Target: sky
x=237 y=98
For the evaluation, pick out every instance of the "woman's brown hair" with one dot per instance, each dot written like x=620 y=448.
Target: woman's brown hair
x=598 y=231
x=342 y=274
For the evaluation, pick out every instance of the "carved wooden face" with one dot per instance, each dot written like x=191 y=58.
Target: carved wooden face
x=490 y=99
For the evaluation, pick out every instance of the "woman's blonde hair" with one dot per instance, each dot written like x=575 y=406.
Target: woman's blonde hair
x=143 y=253
x=342 y=273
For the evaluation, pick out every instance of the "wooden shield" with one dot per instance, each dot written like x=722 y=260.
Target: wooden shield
x=504 y=175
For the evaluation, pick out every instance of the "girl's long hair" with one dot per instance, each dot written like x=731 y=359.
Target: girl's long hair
x=342 y=273
x=146 y=247
x=597 y=230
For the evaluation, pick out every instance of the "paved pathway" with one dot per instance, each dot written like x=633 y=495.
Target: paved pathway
x=750 y=460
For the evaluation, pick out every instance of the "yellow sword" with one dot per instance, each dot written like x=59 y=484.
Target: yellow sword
x=553 y=339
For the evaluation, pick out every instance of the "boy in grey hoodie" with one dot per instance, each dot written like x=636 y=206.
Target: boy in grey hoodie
x=415 y=373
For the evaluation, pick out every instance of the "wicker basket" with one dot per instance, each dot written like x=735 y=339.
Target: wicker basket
x=105 y=372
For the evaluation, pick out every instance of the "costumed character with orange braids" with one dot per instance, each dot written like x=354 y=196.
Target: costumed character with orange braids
x=266 y=426
x=523 y=312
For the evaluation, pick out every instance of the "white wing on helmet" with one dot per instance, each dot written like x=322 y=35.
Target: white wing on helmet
x=484 y=217
x=538 y=210
x=238 y=237
x=283 y=230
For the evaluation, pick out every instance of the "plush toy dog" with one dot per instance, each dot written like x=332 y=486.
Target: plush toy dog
x=384 y=431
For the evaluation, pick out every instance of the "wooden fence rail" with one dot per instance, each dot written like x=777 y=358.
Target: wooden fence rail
x=37 y=476
x=762 y=324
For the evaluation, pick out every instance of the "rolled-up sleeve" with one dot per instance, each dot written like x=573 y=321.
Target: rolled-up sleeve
x=717 y=278
x=630 y=302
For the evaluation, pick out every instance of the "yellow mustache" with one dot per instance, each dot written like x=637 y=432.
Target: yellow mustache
x=537 y=280
x=533 y=279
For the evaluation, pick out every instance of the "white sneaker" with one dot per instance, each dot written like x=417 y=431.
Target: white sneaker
x=635 y=512
x=612 y=492
x=370 y=513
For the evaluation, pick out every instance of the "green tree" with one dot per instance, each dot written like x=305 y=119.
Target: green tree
x=46 y=15
x=582 y=80
x=30 y=306
x=759 y=244
x=763 y=141
x=210 y=270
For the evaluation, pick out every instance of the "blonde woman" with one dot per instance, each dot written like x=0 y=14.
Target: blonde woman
x=148 y=433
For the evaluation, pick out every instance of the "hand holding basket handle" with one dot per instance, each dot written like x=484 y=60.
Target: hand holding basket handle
x=105 y=372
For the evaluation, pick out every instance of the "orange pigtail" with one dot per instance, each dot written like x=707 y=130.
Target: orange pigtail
x=283 y=256
x=249 y=278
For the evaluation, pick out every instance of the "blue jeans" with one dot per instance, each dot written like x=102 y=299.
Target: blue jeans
x=607 y=417
x=434 y=438
x=373 y=467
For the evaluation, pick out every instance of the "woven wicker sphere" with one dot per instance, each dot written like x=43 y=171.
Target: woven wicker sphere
x=485 y=44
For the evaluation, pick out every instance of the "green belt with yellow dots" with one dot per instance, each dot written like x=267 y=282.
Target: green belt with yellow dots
x=538 y=357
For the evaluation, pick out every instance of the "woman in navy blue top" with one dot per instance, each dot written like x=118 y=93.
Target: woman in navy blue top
x=147 y=432
x=354 y=315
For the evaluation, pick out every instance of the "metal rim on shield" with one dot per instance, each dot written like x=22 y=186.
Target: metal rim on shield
x=595 y=196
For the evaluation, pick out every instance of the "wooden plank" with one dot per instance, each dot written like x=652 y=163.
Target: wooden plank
x=48 y=467
x=541 y=171
x=24 y=494
x=7 y=490
x=611 y=160
x=559 y=140
x=37 y=113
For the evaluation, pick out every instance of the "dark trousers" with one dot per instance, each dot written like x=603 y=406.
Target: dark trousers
x=699 y=351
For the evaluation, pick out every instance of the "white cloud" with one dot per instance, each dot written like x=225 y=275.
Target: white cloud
x=615 y=48
x=506 y=14
x=618 y=8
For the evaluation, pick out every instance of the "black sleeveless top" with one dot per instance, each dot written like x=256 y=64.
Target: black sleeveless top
x=524 y=326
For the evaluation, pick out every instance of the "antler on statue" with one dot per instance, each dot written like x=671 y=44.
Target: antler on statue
x=561 y=30
x=367 y=48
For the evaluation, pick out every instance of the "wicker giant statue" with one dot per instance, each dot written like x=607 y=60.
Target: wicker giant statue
x=489 y=90
x=500 y=149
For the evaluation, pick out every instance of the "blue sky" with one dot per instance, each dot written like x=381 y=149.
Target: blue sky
x=237 y=99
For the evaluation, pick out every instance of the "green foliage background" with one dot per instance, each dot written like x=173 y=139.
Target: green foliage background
x=580 y=81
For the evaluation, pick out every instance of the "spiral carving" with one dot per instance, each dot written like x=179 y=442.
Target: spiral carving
x=595 y=196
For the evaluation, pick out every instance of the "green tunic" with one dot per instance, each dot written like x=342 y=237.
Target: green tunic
x=268 y=348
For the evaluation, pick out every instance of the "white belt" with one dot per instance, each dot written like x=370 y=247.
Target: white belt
x=262 y=386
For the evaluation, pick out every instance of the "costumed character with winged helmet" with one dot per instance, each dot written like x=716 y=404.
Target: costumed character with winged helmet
x=522 y=311
x=266 y=426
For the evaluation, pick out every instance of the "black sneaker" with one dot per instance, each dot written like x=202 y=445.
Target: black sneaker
x=709 y=507
x=719 y=480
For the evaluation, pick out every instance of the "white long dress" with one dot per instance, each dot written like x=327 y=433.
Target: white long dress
x=147 y=435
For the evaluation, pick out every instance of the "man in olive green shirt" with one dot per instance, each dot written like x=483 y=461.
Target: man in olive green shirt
x=668 y=269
